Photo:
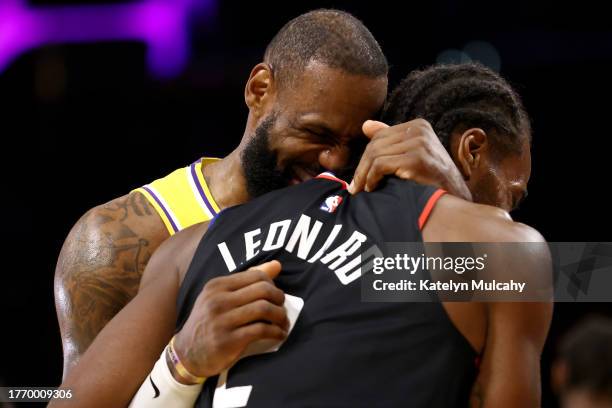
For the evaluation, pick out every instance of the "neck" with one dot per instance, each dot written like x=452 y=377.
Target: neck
x=226 y=180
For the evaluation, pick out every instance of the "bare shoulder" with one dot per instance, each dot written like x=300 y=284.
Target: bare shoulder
x=100 y=267
x=513 y=249
x=120 y=236
x=455 y=219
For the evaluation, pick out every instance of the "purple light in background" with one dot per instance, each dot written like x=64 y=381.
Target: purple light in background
x=161 y=24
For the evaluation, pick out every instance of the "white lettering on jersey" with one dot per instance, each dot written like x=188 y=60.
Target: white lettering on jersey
x=251 y=245
x=342 y=252
x=227 y=257
x=330 y=239
x=305 y=235
x=281 y=226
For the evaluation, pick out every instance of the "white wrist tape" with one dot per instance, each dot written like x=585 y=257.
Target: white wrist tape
x=160 y=389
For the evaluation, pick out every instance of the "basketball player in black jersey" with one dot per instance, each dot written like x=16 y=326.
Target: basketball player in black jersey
x=322 y=75
x=344 y=352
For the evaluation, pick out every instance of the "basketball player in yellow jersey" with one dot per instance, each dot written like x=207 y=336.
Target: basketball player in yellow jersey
x=322 y=77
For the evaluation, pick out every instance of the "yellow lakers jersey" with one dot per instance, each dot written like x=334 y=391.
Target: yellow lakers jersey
x=182 y=198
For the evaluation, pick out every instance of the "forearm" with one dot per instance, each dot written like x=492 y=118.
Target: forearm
x=161 y=389
x=507 y=395
x=510 y=369
x=122 y=355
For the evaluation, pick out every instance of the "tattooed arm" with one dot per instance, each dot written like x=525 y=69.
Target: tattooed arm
x=100 y=266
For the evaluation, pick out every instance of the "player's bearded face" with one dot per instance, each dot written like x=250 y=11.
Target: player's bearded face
x=312 y=129
x=272 y=159
x=260 y=162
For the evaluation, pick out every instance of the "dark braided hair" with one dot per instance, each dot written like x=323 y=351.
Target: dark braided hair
x=457 y=97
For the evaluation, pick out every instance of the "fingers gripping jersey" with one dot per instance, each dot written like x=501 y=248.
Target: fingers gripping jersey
x=342 y=351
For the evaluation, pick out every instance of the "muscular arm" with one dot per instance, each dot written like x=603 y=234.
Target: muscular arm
x=509 y=373
x=100 y=266
x=510 y=367
x=115 y=365
x=231 y=312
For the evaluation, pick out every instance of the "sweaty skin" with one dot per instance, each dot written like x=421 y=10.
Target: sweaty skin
x=104 y=256
x=100 y=266
x=512 y=334
x=508 y=335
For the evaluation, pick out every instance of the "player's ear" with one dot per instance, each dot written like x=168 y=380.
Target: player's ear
x=260 y=89
x=471 y=150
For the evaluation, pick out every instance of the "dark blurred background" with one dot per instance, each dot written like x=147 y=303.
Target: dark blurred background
x=85 y=122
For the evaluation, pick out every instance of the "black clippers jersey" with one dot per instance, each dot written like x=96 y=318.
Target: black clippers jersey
x=342 y=351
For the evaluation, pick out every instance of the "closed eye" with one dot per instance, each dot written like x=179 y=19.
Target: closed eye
x=323 y=138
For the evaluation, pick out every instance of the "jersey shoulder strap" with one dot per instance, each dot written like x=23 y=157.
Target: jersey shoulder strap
x=426 y=203
x=182 y=198
x=420 y=198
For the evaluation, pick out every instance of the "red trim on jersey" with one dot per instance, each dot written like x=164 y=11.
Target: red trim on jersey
x=429 y=206
x=329 y=176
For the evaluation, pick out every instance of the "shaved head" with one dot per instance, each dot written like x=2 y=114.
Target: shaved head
x=332 y=37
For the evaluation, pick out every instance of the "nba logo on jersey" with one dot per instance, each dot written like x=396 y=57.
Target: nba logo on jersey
x=331 y=203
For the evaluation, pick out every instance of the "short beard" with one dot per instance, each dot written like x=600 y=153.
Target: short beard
x=260 y=164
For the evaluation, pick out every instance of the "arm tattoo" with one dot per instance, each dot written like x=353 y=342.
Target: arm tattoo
x=100 y=267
